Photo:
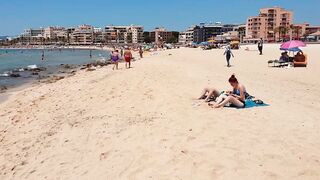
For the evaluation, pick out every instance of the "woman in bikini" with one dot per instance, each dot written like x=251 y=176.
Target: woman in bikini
x=115 y=58
x=236 y=97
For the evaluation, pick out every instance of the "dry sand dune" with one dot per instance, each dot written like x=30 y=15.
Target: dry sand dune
x=144 y=123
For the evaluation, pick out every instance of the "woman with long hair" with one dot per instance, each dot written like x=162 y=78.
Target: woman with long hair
x=236 y=97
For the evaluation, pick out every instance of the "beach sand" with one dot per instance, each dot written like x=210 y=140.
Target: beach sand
x=143 y=123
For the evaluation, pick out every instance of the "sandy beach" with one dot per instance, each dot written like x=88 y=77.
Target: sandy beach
x=144 y=122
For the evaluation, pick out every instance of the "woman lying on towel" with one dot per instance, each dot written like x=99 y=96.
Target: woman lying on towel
x=234 y=98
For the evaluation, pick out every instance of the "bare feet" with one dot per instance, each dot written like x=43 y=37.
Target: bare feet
x=216 y=106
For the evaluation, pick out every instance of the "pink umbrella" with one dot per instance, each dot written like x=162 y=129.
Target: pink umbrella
x=292 y=44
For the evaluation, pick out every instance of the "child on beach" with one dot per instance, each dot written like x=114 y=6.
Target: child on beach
x=228 y=54
x=115 y=59
x=127 y=57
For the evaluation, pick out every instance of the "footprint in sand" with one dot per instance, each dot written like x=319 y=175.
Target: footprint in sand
x=104 y=155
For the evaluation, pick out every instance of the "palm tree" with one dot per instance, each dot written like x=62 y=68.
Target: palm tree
x=282 y=31
x=291 y=29
x=276 y=30
x=297 y=31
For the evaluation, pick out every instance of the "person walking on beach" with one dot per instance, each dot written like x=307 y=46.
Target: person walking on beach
x=228 y=53
x=260 y=46
x=127 y=57
x=115 y=59
x=121 y=52
x=141 y=52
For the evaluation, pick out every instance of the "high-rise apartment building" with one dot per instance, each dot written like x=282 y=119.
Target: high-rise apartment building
x=271 y=24
x=124 y=34
x=83 y=35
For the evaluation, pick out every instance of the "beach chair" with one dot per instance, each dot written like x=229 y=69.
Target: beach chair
x=300 y=61
x=277 y=63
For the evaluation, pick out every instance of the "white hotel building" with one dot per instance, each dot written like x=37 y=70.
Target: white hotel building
x=124 y=34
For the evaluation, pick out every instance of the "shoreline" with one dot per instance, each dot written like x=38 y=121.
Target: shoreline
x=59 y=72
x=13 y=78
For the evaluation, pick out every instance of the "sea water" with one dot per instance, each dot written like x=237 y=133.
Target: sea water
x=18 y=59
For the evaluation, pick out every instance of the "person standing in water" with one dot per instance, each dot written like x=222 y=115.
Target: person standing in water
x=42 y=56
x=228 y=53
x=127 y=57
x=115 y=59
x=260 y=46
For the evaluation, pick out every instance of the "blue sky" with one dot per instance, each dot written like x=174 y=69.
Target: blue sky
x=17 y=15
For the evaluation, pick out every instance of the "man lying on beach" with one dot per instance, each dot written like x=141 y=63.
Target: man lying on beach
x=235 y=98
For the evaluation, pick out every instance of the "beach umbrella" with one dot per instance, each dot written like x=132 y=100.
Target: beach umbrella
x=291 y=49
x=204 y=43
x=292 y=44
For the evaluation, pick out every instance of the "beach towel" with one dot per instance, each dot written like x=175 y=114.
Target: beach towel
x=250 y=103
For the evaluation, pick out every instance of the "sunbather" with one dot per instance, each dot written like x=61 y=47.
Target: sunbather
x=236 y=97
x=284 y=57
x=209 y=93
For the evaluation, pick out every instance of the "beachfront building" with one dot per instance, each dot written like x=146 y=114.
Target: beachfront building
x=311 y=29
x=271 y=24
x=98 y=36
x=136 y=34
x=314 y=37
x=53 y=32
x=55 y=35
x=204 y=32
x=228 y=37
x=32 y=36
x=241 y=29
x=232 y=32
x=124 y=34
x=82 y=35
x=160 y=35
x=302 y=31
x=186 y=37
x=182 y=38
x=31 y=32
